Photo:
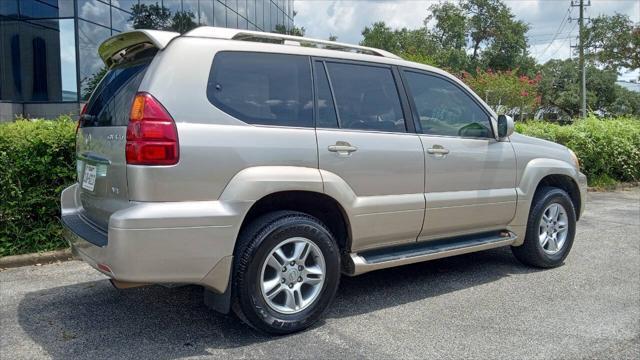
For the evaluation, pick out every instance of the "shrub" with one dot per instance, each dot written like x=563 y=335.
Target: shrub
x=608 y=149
x=37 y=162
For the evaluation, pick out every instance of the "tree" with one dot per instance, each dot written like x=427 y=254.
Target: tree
x=450 y=24
x=153 y=16
x=403 y=42
x=613 y=42
x=560 y=88
x=333 y=37
x=295 y=31
x=90 y=83
x=183 y=21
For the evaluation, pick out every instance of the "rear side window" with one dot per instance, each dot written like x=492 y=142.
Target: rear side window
x=110 y=103
x=366 y=97
x=327 y=117
x=265 y=89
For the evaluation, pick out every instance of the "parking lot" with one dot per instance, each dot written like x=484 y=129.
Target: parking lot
x=483 y=305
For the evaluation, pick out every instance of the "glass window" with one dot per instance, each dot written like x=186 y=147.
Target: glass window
x=40 y=61
x=242 y=8
x=232 y=4
x=367 y=97
x=90 y=36
x=260 y=14
x=259 y=88
x=205 y=15
x=219 y=14
x=445 y=109
x=9 y=8
x=251 y=11
x=110 y=103
x=173 y=5
x=326 y=116
x=232 y=19
x=274 y=17
x=124 y=4
x=95 y=11
x=44 y=8
x=242 y=22
x=121 y=20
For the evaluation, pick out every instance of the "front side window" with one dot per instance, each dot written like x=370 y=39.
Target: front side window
x=366 y=97
x=445 y=109
x=259 y=88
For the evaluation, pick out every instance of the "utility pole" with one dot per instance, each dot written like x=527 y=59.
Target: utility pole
x=583 y=80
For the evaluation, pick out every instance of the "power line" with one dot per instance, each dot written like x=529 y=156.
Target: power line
x=563 y=42
x=560 y=28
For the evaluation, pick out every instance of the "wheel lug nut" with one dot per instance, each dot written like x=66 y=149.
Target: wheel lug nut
x=292 y=263
x=283 y=280
x=284 y=268
x=290 y=286
x=300 y=279
x=300 y=267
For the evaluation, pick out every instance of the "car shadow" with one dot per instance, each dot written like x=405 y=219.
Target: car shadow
x=94 y=320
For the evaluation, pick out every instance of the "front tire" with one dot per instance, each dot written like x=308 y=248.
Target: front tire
x=550 y=231
x=287 y=271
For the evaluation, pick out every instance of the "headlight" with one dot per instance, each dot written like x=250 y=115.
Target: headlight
x=576 y=161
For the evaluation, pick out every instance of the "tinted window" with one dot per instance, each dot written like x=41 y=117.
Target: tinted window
x=267 y=89
x=445 y=109
x=111 y=101
x=366 y=97
x=326 y=110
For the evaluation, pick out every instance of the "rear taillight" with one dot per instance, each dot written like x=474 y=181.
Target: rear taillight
x=84 y=109
x=152 y=137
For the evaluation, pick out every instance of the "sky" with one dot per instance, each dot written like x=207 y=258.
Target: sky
x=347 y=18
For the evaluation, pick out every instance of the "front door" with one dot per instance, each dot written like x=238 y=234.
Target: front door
x=365 y=143
x=470 y=177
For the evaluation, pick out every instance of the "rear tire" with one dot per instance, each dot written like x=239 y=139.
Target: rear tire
x=550 y=229
x=286 y=272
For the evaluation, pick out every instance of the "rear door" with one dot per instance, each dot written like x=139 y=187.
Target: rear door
x=364 y=138
x=100 y=144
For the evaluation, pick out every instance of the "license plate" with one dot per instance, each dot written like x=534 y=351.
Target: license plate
x=89 y=178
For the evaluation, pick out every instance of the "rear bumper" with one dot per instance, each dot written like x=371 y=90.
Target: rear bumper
x=177 y=242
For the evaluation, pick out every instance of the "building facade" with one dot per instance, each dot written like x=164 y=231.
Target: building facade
x=49 y=48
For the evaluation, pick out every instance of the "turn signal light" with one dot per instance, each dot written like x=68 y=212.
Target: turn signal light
x=152 y=137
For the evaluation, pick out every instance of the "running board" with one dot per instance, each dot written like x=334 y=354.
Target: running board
x=371 y=260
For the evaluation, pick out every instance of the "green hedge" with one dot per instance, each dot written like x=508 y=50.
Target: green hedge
x=608 y=149
x=37 y=162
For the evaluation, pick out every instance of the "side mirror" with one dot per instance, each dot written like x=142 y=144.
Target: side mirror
x=505 y=126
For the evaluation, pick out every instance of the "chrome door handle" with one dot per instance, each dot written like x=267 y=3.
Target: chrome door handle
x=342 y=147
x=438 y=150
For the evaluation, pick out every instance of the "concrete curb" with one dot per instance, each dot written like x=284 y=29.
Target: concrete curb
x=36 y=258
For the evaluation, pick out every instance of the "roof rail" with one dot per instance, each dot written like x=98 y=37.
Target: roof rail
x=275 y=38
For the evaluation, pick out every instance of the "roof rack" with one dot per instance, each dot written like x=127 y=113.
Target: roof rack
x=274 y=38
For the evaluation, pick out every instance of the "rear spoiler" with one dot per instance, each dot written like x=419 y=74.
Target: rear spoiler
x=114 y=48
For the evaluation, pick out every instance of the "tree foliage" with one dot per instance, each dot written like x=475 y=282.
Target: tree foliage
x=613 y=42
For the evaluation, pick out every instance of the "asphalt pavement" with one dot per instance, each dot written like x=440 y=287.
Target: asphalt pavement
x=482 y=305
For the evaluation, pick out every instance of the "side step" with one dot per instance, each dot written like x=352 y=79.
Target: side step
x=371 y=260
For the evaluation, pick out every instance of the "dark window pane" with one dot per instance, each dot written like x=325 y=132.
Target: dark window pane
x=90 y=36
x=268 y=89
x=45 y=8
x=124 y=4
x=110 y=103
x=94 y=10
x=40 y=64
x=367 y=97
x=121 y=20
x=324 y=102
x=9 y=8
x=219 y=14
x=444 y=109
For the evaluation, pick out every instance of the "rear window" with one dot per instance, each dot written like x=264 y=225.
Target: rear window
x=111 y=101
x=265 y=89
